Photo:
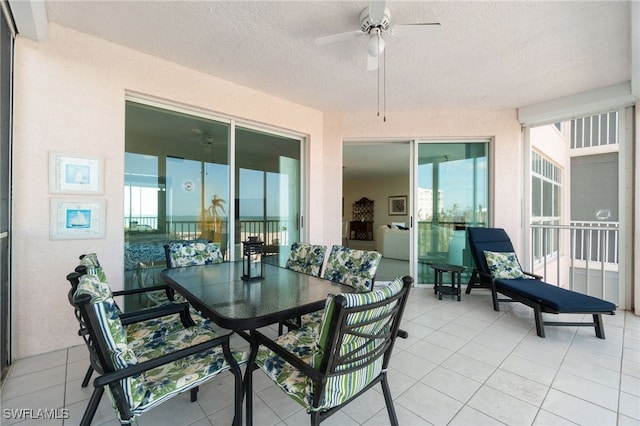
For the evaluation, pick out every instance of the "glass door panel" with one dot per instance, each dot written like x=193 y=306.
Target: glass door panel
x=177 y=180
x=267 y=191
x=452 y=194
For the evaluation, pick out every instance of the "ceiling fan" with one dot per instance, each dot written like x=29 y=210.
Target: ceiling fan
x=375 y=22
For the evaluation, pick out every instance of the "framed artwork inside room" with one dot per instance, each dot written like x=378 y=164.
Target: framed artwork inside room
x=398 y=205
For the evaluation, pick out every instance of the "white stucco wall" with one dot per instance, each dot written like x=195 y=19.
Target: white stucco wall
x=70 y=97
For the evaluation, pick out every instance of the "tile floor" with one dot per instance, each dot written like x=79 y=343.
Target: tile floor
x=463 y=364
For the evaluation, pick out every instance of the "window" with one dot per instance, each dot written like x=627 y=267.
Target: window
x=545 y=204
x=595 y=130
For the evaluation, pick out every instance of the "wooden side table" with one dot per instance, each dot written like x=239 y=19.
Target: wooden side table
x=439 y=288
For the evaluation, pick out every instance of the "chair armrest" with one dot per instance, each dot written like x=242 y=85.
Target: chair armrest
x=289 y=357
x=485 y=276
x=127 y=292
x=133 y=370
x=531 y=274
x=159 y=312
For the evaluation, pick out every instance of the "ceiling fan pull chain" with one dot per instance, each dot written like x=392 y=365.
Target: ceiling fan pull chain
x=384 y=88
x=378 y=83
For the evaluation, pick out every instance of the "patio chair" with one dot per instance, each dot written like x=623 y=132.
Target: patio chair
x=306 y=258
x=498 y=267
x=182 y=254
x=355 y=268
x=325 y=369
x=188 y=253
x=143 y=324
x=140 y=377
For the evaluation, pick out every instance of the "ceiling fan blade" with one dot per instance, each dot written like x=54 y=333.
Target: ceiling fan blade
x=338 y=37
x=413 y=30
x=376 y=10
x=372 y=63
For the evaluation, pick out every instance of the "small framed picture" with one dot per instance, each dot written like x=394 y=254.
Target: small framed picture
x=398 y=205
x=75 y=174
x=77 y=218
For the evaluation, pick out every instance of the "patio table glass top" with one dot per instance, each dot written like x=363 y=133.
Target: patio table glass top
x=219 y=293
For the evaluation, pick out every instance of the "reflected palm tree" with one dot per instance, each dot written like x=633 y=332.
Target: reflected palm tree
x=216 y=203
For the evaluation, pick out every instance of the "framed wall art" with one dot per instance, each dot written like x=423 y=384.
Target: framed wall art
x=77 y=218
x=75 y=174
x=398 y=205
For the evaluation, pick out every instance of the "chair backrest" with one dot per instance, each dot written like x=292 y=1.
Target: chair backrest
x=107 y=339
x=83 y=330
x=356 y=339
x=356 y=268
x=487 y=239
x=306 y=258
x=92 y=266
x=190 y=253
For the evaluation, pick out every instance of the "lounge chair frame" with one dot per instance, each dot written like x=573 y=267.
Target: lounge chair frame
x=481 y=278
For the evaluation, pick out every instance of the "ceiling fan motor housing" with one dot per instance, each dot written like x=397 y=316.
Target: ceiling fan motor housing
x=367 y=24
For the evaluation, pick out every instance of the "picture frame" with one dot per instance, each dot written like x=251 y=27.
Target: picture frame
x=77 y=218
x=75 y=174
x=398 y=205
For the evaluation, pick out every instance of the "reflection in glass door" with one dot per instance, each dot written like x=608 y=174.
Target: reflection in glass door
x=451 y=195
x=267 y=190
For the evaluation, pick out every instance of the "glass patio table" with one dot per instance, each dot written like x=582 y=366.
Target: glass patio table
x=219 y=293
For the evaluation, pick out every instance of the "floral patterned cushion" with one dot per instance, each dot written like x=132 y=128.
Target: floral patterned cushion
x=90 y=261
x=108 y=316
x=503 y=265
x=302 y=342
x=356 y=268
x=308 y=343
x=193 y=253
x=154 y=386
x=312 y=320
x=306 y=258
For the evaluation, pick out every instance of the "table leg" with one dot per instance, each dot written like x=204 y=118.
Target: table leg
x=248 y=381
x=459 y=284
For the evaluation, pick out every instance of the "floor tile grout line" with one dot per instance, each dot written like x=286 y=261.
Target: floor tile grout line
x=546 y=394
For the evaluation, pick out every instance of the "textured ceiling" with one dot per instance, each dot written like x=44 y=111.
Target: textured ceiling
x=485 y=54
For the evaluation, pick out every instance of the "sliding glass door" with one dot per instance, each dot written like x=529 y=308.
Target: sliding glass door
x=267 y=189
x=190 y=176
x=451 y=194
x=6 y=93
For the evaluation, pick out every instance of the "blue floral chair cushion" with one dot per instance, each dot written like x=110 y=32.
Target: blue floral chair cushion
x=181 y=254
x=356 y=268
x=150 y=388
x=309 y=343
x=306 y=258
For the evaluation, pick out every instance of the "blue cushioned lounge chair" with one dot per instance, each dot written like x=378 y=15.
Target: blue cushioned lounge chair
x=498 y=269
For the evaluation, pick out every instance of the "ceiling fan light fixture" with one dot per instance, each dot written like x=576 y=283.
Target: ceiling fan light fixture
x=375 y=45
